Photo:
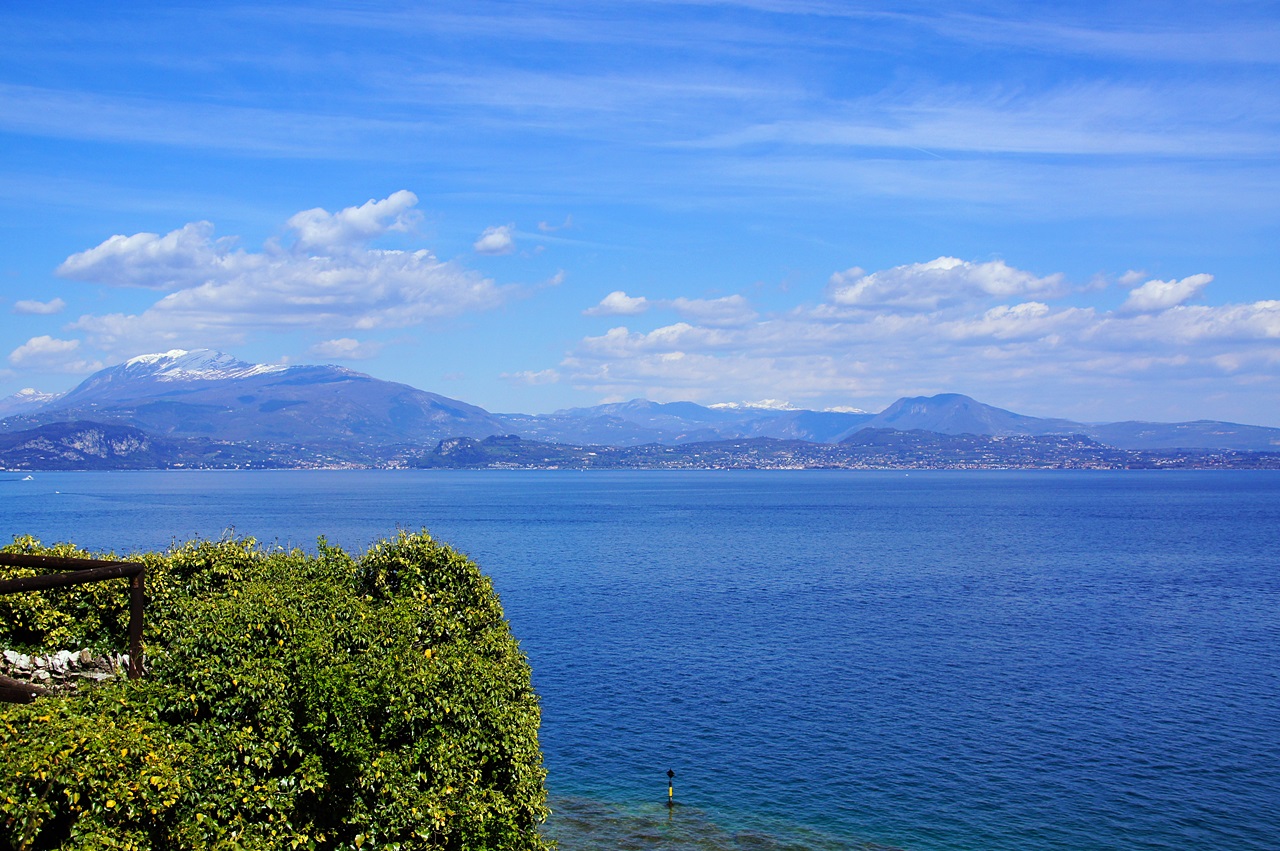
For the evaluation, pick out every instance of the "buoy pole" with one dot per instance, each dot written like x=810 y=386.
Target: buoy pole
x=671 y=788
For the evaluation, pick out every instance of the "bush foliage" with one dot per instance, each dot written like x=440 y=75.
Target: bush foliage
x=291 y=701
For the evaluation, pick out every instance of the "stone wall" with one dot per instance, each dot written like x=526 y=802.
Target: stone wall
x=62 y=671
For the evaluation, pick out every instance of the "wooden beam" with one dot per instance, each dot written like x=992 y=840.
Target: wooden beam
x=110 y=570
x=16 y=691
x=54 y=562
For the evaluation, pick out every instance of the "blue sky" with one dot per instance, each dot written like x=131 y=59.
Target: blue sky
x=1062 y=209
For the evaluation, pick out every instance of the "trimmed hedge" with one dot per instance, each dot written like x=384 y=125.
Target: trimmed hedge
x=291 y=701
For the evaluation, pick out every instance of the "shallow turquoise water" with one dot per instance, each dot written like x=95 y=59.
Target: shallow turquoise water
x=924 y=661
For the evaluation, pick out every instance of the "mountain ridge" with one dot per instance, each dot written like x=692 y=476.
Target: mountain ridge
x=208 y=394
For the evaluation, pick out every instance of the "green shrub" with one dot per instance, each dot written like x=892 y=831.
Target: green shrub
x=291 y=701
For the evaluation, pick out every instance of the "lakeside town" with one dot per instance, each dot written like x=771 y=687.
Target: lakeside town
x=90 y=446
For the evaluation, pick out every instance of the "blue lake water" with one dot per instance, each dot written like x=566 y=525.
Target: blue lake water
x=927 y=661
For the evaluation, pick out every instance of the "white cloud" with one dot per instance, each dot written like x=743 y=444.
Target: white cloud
x=186 y=257
x=53 y=355
x=939 y=283
x=703 y=377
x=730 y=310
x=496 y=240
x=39 y=308
x=318 y=229
x=545 y=227
x=1154 y=296
x=124 y=335
x=1191 y=325
x=41 y=347
x=618 y=303
x=330 y=278
x=668 y=340
x=1031 y=320
x=346 y=348
x=533 y=378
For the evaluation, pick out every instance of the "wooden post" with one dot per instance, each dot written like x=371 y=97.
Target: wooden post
x=137 y=600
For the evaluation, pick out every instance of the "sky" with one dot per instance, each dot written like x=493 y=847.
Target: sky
x=1061 y=209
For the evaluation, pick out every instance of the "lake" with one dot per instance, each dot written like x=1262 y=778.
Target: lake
x=927 y=661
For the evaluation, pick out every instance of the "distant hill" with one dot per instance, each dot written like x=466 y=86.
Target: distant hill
x=343 y=414
x=869 y=449
x=952 y=413
x=1192 y=435
x=100 y=446
x=84 y=445
x=79 y=445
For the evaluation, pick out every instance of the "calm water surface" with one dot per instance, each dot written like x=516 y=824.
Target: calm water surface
x=830 y=659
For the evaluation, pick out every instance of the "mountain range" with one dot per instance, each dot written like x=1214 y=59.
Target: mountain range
x=349 y=417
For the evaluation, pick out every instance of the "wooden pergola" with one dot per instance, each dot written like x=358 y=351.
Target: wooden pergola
x=74 y=571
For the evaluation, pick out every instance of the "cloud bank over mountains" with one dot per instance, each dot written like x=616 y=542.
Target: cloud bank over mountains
x=940 y=323
x=937 y=324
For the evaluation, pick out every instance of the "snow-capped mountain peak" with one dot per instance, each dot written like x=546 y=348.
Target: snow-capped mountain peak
x=761 y=405
x=139 y=376
x=195 y=365
x=145 y=360
x=34 y=396
x=26 y=400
